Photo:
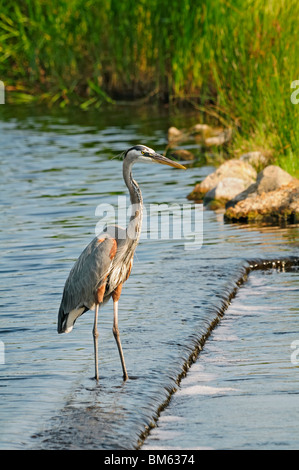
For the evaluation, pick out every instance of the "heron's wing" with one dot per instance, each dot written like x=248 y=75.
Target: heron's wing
x=88 y=273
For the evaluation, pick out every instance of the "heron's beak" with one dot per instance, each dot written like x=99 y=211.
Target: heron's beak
x=156 y=157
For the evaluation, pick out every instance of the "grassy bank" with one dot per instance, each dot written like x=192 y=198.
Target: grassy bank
x=236 y=59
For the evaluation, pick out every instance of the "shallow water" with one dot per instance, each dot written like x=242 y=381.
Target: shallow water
x=55 y=169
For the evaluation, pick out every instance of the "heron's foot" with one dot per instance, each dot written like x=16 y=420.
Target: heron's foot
x=125 y=376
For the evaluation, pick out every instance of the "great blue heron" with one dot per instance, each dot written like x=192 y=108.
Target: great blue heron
x=106 y=263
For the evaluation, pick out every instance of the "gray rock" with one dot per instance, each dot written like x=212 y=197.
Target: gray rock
x=271 y=178
x=226 y=189
x=229 y=169
x=273 y=198
x=277 y=206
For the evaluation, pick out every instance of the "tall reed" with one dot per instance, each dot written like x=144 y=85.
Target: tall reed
x=237 y=56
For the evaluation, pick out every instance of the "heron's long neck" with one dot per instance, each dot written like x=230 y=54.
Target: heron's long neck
x=134 y=227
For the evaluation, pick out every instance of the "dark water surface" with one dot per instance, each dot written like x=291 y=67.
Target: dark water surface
x=55 y=169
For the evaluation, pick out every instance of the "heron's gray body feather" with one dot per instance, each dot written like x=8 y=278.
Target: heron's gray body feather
x=98 y=264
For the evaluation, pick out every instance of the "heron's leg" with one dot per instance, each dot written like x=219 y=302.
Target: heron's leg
x=95 y=341
x=115 y=297
x=99 y=299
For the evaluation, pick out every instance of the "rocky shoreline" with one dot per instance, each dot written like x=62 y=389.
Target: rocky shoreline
x=247 y=189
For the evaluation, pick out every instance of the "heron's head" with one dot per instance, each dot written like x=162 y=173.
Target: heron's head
x=141 y=153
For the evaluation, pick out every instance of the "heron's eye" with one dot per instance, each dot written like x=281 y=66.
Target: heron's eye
x=142 y=153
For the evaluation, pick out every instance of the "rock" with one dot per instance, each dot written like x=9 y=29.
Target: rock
x=256 y=159
x=201 y=129
x=182 y=154
x=226 y=189
x=271 y=178
x=219 y=139
x=174 y=134
x=278 y=205
x=250 y=191
x=274 y=197
x=229 y=169
x=202 y=133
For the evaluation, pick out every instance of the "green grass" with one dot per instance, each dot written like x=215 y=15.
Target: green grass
x=235 y=58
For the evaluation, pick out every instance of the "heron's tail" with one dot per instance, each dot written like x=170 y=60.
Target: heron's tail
x=62 y=320
x=66 y=321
